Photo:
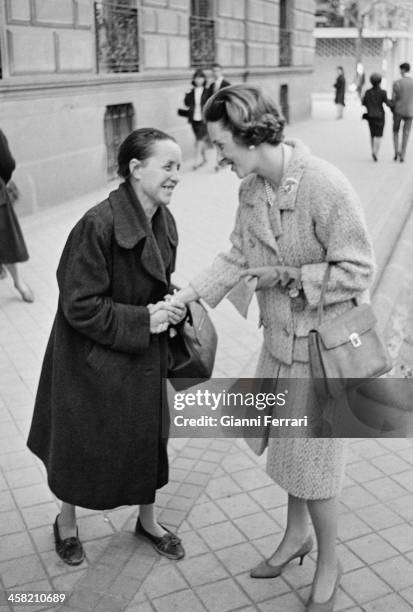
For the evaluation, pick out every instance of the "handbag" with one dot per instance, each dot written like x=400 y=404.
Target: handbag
x=183 y=112
x=345 y=350
x=192 y=347
x=365 y=116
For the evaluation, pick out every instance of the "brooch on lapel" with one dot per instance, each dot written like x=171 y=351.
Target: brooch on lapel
x=289 y=185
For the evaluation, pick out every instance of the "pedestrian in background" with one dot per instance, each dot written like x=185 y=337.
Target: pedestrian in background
x=402 y=100
x=12 y=245
x=100 y=424
x=195 y=101
x=219 y=81
x=340 y=87
x=360 y=79
x=374 y=100
x=297 y=215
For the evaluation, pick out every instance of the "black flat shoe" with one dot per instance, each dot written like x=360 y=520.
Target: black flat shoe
x=168 y=545
x=70 y=550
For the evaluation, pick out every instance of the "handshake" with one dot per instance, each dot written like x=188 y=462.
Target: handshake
x=169 y=311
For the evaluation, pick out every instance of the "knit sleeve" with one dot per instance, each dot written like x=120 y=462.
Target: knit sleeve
x=213 y=283
x=340 y=227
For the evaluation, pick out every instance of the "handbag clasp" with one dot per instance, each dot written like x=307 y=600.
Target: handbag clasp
x=355 y=339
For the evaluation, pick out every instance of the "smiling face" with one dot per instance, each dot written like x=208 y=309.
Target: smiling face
x=156 y=177
x=241 y=158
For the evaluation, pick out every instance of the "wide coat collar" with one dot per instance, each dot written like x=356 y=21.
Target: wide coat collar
x=131 y=226
x=285 y=198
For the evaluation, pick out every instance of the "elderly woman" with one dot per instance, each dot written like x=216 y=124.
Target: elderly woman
x=100 y=425
x=297 y=215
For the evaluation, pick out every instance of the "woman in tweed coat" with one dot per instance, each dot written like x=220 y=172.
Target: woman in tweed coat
x=296 y=213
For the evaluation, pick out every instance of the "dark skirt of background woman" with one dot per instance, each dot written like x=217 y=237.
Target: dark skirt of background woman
x=12 y=246
x=373 y=100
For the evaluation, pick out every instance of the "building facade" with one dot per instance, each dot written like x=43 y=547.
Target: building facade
x=78 y=75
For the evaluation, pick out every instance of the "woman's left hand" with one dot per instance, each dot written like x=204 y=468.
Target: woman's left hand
x=270 y=276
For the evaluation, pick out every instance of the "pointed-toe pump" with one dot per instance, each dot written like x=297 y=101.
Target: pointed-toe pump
x=266 y=570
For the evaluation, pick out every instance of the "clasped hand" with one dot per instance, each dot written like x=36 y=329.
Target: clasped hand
x=270 y=276
x=165 y=313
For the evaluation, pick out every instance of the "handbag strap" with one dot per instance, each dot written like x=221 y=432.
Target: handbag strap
x=320 y=306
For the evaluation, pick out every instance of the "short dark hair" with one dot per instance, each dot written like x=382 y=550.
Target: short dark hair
x=248 y=113
x=375 y=79
x=199 y=73
x=138 y=145
x=405 y=67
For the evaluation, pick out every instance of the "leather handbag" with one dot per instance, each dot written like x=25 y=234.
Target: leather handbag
x=183 y=112
x=345 y=350
x=192 y=347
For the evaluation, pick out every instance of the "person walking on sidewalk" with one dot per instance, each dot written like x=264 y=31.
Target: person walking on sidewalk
x=195 y=101
x=100 y=424
x=402 y=100
x=340 y=87
x=374 y=100
x=297 y=215
x=13 y=248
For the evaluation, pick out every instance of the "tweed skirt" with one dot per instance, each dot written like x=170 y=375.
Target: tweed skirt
x=306 y=467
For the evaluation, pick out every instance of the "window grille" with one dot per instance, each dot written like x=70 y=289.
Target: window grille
x=202 y=33
x=117 y=40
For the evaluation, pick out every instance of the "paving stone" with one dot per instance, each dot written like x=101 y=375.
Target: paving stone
x=190 y=490
x=16 y=461
x=55 y=566
x=350 y=527
x=141 y=607
x=172 y=518
x=222 y=596
x=389 y=602
x=368 y=449
x=67 y=582
x=162 y=581
x=362 y=471
x=202 y=570
x=391 y=464
x=197 y=478
x=43 y=538
x=269 y=497
x=379 y=517
x=110 y=604
x=237 y=462
x=193 y=544
x=385 y=488
x=10 y=522
x=179 y=503
x=238 y=505
x=372 y=548
x=257 y=525
x=297 y=575
x=405 y=480
x=251 y=479
x=42 y=514
x=32 y=495
x=205 y=514
x=401 y=537
x=83 y=600
x=240 y=558
x=403 y=506
x=363 y=585
x=260 y=590
x=24 y=476
x=6 y=501
x=221 y=535
x=92 y=527
x=348 y=559
x=124 y=586
x=15 y=545
x=20 y=571
x=398 y=572
x=285 y=603
x=222 y=487
x=178 y=602
x=357 y=497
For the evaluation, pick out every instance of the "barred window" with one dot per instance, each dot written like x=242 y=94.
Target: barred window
x=202 y=33
x=346 y=47
x=117 y=38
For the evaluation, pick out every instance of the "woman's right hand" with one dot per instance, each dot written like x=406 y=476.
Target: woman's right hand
x=162 y=314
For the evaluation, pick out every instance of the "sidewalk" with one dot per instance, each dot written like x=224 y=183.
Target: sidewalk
x=219 y=496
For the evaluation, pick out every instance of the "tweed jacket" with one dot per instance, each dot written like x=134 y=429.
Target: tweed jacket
x=403 y=96
x=317 y=219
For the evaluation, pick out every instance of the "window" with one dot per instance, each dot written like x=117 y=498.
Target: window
x=285 y=36
x=202 y=33
x=119 y=120
x=117 y=41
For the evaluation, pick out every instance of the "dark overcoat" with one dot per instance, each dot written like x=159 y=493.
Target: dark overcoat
x=100 y=424
x=340 y=87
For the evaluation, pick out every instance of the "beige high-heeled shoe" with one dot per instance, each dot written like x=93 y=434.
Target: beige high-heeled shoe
x=326 y=606
x=26 y=293
x=266 y=570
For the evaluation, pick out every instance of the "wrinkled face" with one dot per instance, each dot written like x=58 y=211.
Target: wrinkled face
x=158 y=175
x=241 y=159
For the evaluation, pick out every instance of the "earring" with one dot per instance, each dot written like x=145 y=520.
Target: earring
x=251 y=147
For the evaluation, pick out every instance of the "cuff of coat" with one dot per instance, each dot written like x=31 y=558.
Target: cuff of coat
x=133 y=333
x=208 y=289
x=312 y=279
